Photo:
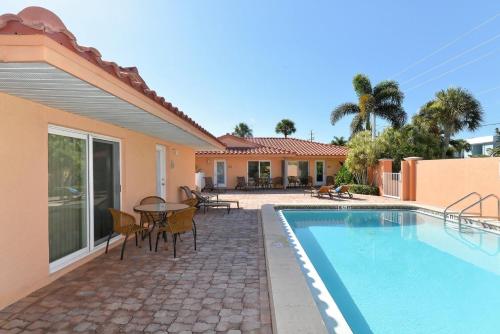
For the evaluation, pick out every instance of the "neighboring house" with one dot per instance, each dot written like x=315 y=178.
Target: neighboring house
x=481 y=145
x=78 y=135
x=269 y=158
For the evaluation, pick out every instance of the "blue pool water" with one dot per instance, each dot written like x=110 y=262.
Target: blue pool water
x=403 y=271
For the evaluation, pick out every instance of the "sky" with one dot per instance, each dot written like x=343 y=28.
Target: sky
x=227 y=61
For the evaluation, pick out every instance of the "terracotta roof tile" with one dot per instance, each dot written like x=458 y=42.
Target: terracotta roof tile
x=279 y=146
x=40 y=21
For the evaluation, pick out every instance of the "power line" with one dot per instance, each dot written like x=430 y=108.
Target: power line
x=475 y=60
x=445 y=46
x=452 y=59
x=488 y=90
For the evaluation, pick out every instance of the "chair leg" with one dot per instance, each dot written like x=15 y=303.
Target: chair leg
x=149 y=237
x=175 y=242
x=136 y=241
x=107 y=243
x=157 y=239
x=123 y=246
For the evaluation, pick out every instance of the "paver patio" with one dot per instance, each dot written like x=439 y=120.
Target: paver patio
x=222 y=287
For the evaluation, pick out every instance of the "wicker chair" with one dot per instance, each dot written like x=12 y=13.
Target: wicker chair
x=209 y=184
x=241 y=183
x=150 y=219
x=124 y=223
x=179 y=222
x=292 y=181
x=277 y=182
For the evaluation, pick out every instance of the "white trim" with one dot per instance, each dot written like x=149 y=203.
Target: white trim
x=78 y=255
x=215 y=173
x=315 y=172
x=163 y=169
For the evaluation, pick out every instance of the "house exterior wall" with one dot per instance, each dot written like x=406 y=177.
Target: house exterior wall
x=24 y=251
x=441 y=182
x=237 y=164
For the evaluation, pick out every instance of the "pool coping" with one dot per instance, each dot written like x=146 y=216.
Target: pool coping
x=291 y=276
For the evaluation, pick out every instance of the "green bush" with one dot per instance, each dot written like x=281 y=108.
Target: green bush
x=363 y=189
x=344 y=176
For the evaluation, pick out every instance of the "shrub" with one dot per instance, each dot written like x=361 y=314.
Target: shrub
x=363 y=189
x=344 y=176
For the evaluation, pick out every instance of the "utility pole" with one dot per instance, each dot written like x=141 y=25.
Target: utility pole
x=312 y=135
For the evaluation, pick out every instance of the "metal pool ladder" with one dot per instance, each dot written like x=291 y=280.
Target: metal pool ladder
x=445 y=214
x=480 y=201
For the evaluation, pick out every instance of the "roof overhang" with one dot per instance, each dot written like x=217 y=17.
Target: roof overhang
x=37 y=68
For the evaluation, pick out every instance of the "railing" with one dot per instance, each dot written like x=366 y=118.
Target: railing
x=460 y=200
x=391 y=185
x=480 y=203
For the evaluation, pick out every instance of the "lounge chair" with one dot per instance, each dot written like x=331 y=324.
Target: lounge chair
x=206 y=201
x=322 y=191
x=342 y=190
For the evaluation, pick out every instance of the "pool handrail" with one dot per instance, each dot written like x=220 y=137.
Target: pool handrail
x=463 y=198
x=480 y=203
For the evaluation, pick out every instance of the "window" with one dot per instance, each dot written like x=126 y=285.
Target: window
x=259 y=169
x=299 y=169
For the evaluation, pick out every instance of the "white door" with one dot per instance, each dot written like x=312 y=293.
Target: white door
x=220 y=179
x=161 y=171
x=319 y=172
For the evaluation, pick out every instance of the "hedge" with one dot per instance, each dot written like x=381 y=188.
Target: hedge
x=363 y=189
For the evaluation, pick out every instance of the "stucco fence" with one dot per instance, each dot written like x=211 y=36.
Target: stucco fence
x=441 y=182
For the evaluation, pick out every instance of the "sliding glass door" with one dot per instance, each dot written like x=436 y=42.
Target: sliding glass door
x=84 y=181
x=106 y=186
x=68 y=206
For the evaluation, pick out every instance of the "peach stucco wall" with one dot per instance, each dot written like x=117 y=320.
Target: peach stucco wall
x=24 y=258
x=237 y=165
x=440 y=182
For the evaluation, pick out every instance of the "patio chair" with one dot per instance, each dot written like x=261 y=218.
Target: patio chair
x=152 y=218
x=292 y=181
x=330 y=181
x=209 y=184
x=341 y=190
x=209 y=201
x=241 y=183
x=322 y=191
x=277 y=182
x=179 y=222
x=306 y=181
x=124 y=224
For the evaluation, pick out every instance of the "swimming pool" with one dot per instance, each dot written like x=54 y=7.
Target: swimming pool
x=400 y=271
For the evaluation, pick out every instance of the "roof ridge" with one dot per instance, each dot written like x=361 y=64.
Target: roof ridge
x=39 y=20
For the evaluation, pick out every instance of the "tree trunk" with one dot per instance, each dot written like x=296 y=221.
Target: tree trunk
x=446 y=144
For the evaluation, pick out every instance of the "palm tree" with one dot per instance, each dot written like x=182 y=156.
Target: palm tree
x=339 y=141
x=286 y=127
x=243 y=130
x=451 y=111
x=384 y=100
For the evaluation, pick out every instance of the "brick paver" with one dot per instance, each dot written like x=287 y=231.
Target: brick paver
x=221 y=287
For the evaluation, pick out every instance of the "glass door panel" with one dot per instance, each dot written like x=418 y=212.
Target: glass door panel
x=265 y=169
x=320 y=167
x=220 y=173
x=106 y=181
x=67 y=191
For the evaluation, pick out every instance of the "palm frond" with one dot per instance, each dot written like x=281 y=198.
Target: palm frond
x=388 y=91
x=391 y=112
x=343 y=110
x=362 y=85
x=357 y=124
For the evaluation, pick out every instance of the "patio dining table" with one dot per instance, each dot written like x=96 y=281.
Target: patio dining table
x=160 y=209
